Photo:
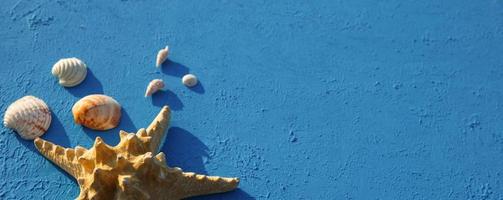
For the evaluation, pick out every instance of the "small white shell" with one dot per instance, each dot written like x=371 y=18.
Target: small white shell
x=29 y=116
x=189 y=80
x=154 y=86
x=162 y=55
x=70 y=71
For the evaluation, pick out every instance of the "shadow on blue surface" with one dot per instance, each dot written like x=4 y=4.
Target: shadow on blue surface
x=90 y=85
x=236 y=194
x=184 y=150
x=163 y=97
x=26 y=143
x=199 y=88
x=173 y=68
x=56 y=133
x=111 y=136
x=176 y=69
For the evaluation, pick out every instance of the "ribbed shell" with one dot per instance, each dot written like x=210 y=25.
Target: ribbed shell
x=98 y=112
x=162 y=55
x=29 y=116
x=70 y=71
x=154 y=86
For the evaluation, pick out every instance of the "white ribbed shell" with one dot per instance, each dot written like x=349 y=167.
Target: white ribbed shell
x=29 y=116
x=70 y=71
x=154 y=86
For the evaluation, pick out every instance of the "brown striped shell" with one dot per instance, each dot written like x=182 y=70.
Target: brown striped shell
x=29 y=116
x=98 y=112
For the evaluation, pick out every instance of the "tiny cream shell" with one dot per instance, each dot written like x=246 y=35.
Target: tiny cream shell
x=29 y=116
x=162 y=55
x=70 y=71
x=154 y=86
x=189 y=80
x=98 y=112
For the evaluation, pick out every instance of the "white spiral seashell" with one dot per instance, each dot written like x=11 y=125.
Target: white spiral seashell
x=162 y=55
x=98 y=112
x=70 y=71
x=189 y=80
x=29 y=116
x=154 y=86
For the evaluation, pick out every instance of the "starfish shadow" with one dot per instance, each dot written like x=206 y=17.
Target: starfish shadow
x=90 y=85
x=163 y=97
x=236 y=194
x=173 y=68
x=184 y=150
x=111 y=137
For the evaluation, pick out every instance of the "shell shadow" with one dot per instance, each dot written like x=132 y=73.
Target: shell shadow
x=236 y=194
x=56 y=133
x=163 y=97
x=90 y=85
x=111 y=136
x=184 y=150
x=199 y=88
x=173 y=68
x=26 y=143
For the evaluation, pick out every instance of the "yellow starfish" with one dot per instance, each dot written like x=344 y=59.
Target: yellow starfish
x=129 y=170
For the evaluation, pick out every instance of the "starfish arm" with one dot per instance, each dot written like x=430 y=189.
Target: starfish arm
x=62 y=157
x=196 y=184
x=157 y=129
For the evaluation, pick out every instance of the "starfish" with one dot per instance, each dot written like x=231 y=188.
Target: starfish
x=129 y=170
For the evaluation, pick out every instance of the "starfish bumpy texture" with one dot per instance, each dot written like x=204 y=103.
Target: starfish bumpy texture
x=130 y=170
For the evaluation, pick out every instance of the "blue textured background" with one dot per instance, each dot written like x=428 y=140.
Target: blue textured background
x=325 y=99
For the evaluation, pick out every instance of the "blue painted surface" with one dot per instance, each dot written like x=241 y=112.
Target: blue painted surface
x=300 y=99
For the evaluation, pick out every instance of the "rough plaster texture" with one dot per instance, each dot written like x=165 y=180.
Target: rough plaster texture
x=322 y=99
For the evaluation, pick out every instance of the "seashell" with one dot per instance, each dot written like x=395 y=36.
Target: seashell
x=132 y=169
x=154 y=86
x=29 y=116
x=70 y=71
x=189 y=80
x=98 y=112
x=162 y=55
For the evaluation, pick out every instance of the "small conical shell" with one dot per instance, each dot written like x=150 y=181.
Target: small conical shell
x=154 y=86
x=162 y=55
x=70 y=71
x=29 y=116
x=98 y=112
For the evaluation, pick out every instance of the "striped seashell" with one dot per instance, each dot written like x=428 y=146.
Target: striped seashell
x=162 y=55
x=70 y=71
x=154 y=86
x=29 y=116
x=98 y=112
